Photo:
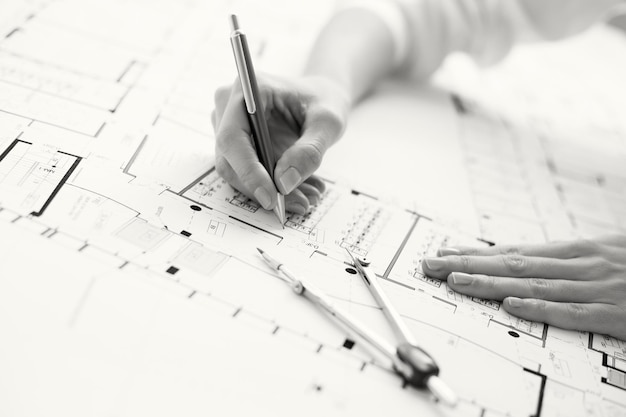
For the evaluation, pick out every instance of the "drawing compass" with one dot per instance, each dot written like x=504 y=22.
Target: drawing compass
x=416 y=367
x=411 y=362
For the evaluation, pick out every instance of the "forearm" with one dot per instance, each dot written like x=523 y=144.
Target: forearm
x=355 y=49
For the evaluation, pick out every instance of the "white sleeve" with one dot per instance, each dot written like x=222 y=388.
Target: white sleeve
x=393 y=17
x=426 y=31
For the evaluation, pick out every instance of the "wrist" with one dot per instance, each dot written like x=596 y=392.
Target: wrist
x=330 y=91
x=335 y=72
x=329 y=94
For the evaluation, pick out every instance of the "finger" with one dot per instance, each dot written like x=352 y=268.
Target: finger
x=511 y=266
x=598 y=318
x=237 y=156
x=287 y=108
x=322 y=128
x=317 y=183
x=248 y=175
x=613 y=240
x=221 y=97
x=229 y=175
x=253 y=181
x=312 y=194
x=296 y=202
x=498 y=288
x=560 y=250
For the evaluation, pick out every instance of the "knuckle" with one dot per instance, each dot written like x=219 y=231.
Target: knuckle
x=224 y=170
x=225 y=138
x=471 y=251
x=588 y=244
x=487 y=282
x=584 y=247
x=542 y=308
x=249 y=175
x=510 y=250
x=515 y=264
x=464 y=262
x=221 y=95
x=539 y=288
x=603 y=267
x=576 y=312
x=538 y=307
x=333 y=123
x=313 y=154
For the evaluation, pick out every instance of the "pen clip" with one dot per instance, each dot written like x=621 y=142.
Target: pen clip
x=234 y=22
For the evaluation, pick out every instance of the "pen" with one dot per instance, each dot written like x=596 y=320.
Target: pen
x=413 y=364
x=254 y=109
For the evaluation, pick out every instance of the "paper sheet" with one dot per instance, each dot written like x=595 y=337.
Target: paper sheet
x=130 y=282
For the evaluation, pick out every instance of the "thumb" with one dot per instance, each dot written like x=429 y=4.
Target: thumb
x=303 y=158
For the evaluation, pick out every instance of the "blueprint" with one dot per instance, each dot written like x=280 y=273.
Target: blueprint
x=555 y=135
x=130 y=283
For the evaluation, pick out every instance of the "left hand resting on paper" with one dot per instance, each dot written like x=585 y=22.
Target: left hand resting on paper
x=579 y=285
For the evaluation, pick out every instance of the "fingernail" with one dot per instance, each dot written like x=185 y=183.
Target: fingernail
x=448 y=251
x=515 y=302
x=296 y=208
x=263 y=197
x=459 y=278
x=314 y=200
x=290 y=179
x=435 y=264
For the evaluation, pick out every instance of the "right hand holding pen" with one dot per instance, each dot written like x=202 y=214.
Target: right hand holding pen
x=305 y=117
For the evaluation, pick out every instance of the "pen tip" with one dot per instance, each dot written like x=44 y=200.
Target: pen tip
x=279 y=210
x=260 y=251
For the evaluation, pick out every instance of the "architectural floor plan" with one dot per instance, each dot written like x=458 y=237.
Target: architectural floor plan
x=130 y=283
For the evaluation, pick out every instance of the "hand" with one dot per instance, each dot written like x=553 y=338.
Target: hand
x=305 y=117
x=579 y=285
